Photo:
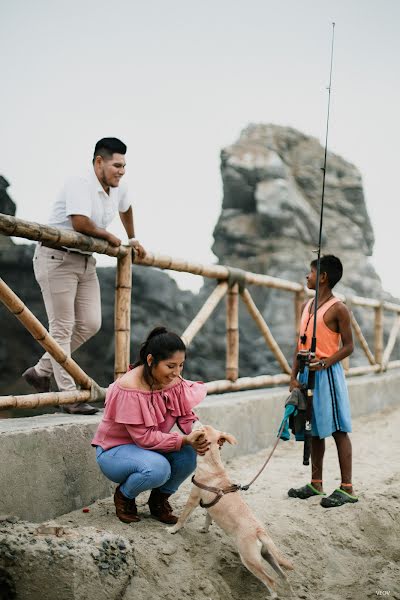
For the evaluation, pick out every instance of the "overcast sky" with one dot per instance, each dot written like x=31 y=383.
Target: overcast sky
x=177 y=80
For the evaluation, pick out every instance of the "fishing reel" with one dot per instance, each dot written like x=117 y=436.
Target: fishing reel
x=304 y=359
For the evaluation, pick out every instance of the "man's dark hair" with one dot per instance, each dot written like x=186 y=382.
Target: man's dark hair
x=106 y=147
x=333 y=268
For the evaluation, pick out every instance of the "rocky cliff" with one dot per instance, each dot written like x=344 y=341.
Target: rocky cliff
x=270 y=214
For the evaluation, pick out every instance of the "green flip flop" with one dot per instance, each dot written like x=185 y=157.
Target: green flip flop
x=338 y=498
x=307 y=491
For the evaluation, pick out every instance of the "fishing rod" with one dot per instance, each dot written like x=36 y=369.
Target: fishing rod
x=307 y=357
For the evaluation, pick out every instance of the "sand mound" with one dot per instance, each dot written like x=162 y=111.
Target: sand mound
x=350 y=552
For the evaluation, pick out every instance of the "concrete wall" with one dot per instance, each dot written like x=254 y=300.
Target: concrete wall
x=48 y=467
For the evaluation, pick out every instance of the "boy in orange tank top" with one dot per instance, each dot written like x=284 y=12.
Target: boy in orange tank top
x=331 y=408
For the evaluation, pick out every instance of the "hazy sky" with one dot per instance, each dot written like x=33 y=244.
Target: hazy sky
x=177 y=80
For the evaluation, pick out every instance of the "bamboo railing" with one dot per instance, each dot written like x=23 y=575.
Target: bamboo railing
x=232 y=283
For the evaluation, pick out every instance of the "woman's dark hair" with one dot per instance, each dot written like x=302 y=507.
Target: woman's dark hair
x=161 y=344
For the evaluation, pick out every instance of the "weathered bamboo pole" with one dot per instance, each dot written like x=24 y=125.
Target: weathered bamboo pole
x=378 y=334
x=346 y=364
x=391 y=342
x=361 y=339
x=393 y=364
x=40 y=333
x=215 y=272
x=391 y=307
x=246 y=383
x=363 y=370
x=265 y=330
x=204 y=313
x=232 y=333
x=366 y=302
x=122 y=314
x=46 y=399
x=57 y=237
x=298 y=304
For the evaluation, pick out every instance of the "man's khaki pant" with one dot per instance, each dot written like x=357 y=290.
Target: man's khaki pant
x=71 y=294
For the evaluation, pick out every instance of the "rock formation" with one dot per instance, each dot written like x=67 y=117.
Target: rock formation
x=270 y=214
x=269 y=223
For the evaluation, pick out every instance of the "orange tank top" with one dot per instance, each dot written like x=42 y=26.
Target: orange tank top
x=327 y=340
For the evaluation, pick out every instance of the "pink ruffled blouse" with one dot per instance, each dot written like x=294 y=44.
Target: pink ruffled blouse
x=146 y=418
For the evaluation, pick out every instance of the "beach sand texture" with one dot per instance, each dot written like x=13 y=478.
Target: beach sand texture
x=346 y=553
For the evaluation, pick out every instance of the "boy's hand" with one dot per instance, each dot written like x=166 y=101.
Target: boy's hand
x=294 y=383
x=320 y=365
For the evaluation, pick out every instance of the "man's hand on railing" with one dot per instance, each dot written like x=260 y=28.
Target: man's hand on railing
x=137 y=246
x=113 y=240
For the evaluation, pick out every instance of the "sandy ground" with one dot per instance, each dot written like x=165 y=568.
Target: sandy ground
x=347 y=553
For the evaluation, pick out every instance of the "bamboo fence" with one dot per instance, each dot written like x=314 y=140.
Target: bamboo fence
x=231 y=283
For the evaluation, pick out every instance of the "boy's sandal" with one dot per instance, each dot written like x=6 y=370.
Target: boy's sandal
x=338 y=498
x=307 y=491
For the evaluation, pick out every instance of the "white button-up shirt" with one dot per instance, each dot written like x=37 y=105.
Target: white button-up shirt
x=85 y=196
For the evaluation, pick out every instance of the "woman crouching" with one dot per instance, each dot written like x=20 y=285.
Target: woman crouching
x=134 y=443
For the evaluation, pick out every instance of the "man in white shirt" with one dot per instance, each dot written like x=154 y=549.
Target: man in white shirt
x=67 y=277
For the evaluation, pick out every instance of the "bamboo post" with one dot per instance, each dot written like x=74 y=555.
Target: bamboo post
x=378 y=331
x=122 y=314
x=361 y=339
x=232 y=333
x=391 y=342
x=265 y=330
x=40 y=333
x=204 y=313
x=45 y=399
x=298 y=304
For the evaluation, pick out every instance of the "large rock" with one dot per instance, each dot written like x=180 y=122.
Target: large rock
x=271 y=208
x=269 y=223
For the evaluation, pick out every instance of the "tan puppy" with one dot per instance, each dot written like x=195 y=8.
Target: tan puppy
x=231 y=512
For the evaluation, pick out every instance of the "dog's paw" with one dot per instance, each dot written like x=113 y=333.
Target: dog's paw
x=173 y=529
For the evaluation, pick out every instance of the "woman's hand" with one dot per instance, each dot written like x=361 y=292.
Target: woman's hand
x=198 y=441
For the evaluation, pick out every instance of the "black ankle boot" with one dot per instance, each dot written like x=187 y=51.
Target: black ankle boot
x=160 y=508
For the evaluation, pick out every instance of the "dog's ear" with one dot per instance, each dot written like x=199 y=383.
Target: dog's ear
x=227 y=437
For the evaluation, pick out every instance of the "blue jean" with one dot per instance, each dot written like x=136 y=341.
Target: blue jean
x=137 y=469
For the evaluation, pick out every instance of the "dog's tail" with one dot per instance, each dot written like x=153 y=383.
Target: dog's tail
x=272 y=555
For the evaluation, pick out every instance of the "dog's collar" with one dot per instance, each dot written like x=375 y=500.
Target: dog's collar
x=218 y=491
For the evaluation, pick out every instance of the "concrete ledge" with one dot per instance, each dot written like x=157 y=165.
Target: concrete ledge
x=49 y=467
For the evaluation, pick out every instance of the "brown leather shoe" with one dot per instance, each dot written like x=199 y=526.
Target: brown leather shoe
x=125 y=508
x=80 y=408
x=160 y=508
x=39 y=382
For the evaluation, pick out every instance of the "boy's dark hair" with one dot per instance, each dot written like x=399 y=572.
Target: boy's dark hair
x=161 y=344
x=106 y=147
x=332 y=266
